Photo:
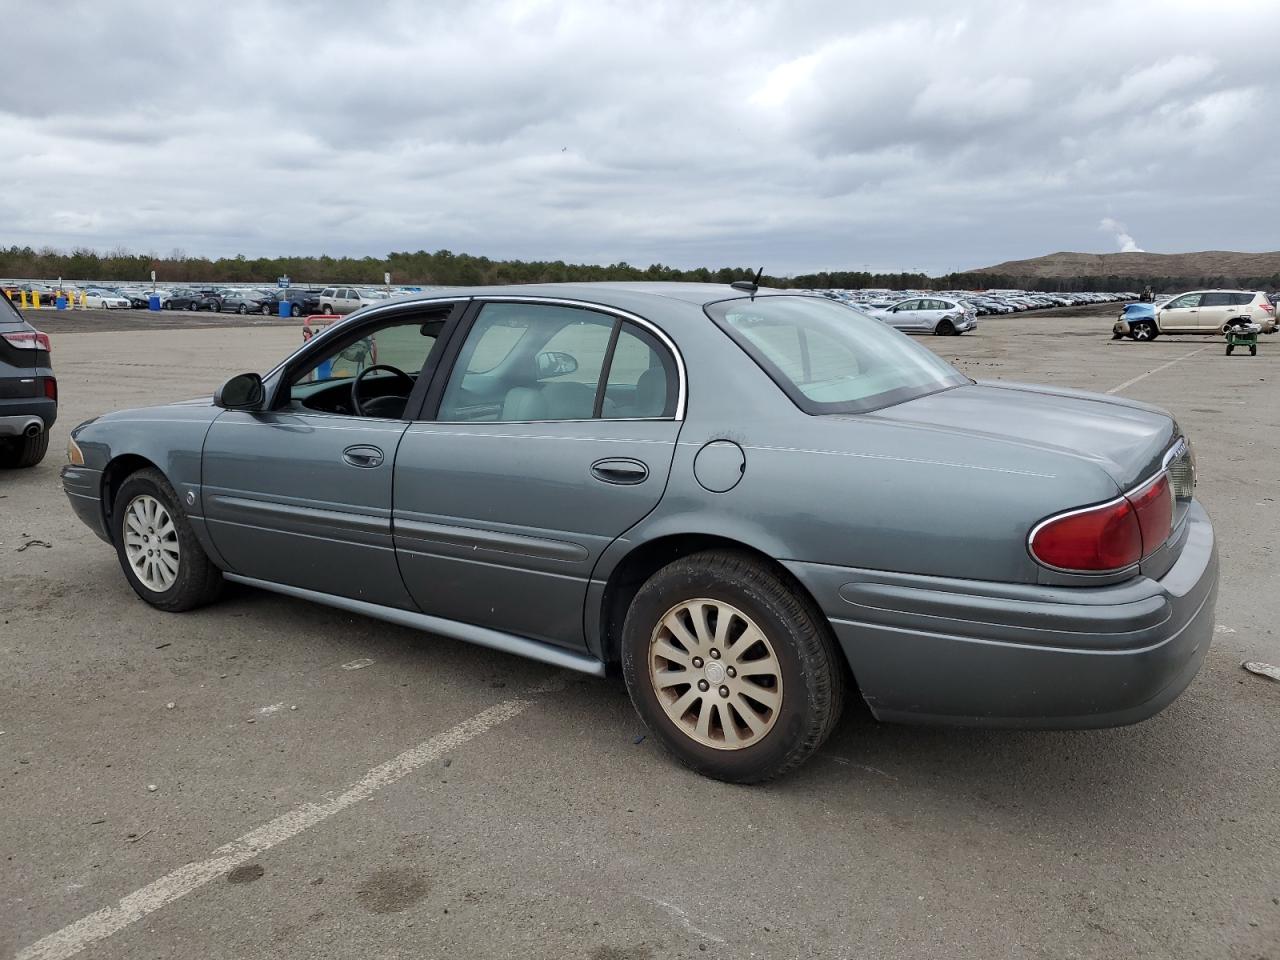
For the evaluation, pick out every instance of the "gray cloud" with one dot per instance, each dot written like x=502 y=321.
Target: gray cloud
x=797 y=135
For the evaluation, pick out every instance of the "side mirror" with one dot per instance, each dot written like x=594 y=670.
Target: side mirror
x=243 y=392
x=554 y=364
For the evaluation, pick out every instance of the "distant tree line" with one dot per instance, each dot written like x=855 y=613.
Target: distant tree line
x=446 y=268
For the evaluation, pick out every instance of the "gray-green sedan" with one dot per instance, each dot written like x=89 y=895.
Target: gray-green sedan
x=751 y=503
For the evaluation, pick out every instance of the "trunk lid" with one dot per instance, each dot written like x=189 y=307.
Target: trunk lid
x=1125 y=438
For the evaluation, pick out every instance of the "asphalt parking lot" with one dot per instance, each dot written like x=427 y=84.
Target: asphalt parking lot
x=443 y=800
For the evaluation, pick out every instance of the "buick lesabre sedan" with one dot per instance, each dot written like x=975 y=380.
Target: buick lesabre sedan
x=745 y=500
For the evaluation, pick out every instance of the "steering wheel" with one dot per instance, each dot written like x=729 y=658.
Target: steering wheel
x=370 y=407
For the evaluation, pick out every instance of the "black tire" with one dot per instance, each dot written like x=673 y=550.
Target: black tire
x=295 y=310
x=266 y=310
x=812 y=671
x=216 y=307
x=198 y=581
x=1143 y=331
x=1230 y=347
x=22 y=452
x=244 y=308
x=945 y=328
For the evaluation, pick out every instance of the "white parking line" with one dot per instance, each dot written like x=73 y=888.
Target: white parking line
x=71 y=939
x=1163 y=366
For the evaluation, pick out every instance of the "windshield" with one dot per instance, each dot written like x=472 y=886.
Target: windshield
x=830 y=358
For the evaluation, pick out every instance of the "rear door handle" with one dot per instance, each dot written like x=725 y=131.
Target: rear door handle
x=620 y=470
x=362 y=455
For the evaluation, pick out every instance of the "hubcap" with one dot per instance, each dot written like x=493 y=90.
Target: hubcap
x=715 y=674
x=151 y=543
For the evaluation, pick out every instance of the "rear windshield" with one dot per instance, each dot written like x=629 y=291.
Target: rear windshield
x=830 y=358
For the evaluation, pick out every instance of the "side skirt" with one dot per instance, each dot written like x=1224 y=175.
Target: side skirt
x=494 y=639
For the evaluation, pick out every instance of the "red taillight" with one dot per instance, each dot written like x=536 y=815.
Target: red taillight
x=27 y=340
x=50 y=387
x=1154 y=506
x=1109 y=537
x=1094 y=539
x=1269 y=307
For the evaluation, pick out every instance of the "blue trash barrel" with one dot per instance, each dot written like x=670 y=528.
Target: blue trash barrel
x=324 y=370
x=61 y=302
x=153 y=302
x=285 y=307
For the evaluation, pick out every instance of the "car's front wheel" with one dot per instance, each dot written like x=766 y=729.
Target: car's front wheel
x=735 y=674
x=22 y=452
x=1143 y=330
x=159 y=553
x=295 y=311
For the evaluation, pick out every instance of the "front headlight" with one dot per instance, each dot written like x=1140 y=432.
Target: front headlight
x=75 y=456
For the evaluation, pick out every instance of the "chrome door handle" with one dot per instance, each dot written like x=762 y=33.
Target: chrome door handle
x=362 y=455
x=620 y=470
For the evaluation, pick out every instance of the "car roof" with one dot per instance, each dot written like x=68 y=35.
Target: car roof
x=623 y=295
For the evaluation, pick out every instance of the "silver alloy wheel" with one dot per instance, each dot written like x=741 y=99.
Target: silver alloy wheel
x=715 y=674
x=151 y=543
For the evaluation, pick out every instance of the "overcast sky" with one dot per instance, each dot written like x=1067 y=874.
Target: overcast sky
x=794 y=135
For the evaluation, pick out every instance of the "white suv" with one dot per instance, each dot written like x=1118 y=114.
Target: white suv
x=1200 y=311
x=340 y=300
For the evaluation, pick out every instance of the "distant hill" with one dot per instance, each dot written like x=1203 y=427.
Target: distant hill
x=1207 y=266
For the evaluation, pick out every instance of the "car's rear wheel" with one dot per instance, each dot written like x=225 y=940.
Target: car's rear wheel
x=945 y=328
x=158 y=551
x=1143 y=330
x=22 y=452
x=735 y=674
x=244 y=308
x=295 y=311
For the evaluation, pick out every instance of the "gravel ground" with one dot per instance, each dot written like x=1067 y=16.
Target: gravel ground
x=524 y=815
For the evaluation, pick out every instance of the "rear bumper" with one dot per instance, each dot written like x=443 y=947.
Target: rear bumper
x=927 y=650
x=16 y=413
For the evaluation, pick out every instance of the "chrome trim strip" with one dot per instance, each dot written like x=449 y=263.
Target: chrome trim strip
x=491 y=540
x=482 y=636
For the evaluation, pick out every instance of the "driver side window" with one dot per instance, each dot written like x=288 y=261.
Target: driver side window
x=325 y=385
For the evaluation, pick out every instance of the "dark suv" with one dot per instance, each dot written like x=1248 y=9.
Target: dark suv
x=28 y=390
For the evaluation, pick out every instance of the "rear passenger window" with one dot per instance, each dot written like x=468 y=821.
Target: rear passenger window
x=642 y=379
x=525 y=362
x=1242 y=299
x=1217 y=300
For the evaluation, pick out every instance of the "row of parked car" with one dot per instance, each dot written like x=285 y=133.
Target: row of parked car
x=952 y=312
x=302 y=301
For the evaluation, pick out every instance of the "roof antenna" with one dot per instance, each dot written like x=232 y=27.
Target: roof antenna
x=749 y=286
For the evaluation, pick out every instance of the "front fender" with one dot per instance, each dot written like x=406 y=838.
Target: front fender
x=170 y=439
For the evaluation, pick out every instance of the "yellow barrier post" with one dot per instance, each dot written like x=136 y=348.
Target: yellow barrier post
x=35 y=299
x=22 y=299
